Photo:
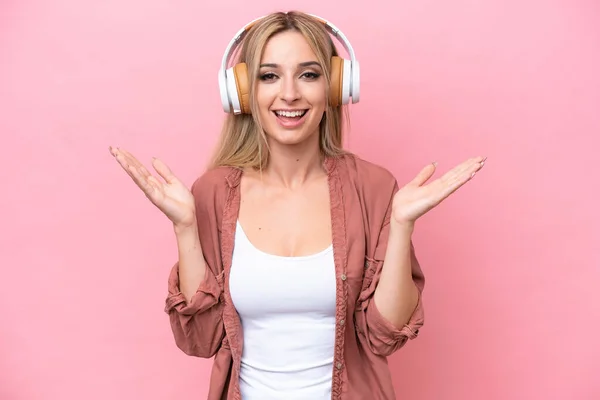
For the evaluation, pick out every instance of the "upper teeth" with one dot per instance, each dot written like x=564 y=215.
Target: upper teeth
x=290 y=113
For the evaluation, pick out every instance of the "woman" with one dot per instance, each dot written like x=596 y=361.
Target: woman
x=296 y=268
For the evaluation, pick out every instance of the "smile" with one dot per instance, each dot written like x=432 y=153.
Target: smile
x=290 y=114
x=290 y=118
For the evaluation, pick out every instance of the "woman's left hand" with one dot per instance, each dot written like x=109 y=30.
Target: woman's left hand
x=417 y=198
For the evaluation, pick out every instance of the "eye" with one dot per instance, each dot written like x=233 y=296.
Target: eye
x=267 y=76
x=311 y=75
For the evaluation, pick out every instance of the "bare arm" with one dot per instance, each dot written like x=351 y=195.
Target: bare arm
x=396 y=295
x=192 y=267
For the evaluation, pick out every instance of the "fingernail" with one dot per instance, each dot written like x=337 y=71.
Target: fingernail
x=434 y=163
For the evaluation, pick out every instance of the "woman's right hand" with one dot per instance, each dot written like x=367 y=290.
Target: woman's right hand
x=171 y=196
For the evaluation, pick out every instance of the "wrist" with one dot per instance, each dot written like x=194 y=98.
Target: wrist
x=185 y=229
x=402 y=227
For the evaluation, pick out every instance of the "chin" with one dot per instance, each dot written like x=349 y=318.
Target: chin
x=289 y=138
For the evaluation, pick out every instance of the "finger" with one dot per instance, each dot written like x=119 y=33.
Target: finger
x=155 y=183
x=163 y=170
x=463 y=173
x=141 y=181
x=120 y=159
x=455 y=183
x=424 y=175
x=472 y=166
x=478 y=166
x=131 y=170
x=467 y=168
x=467 y=165
x=131 y=160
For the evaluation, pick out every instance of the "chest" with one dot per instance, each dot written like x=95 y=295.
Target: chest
x=269 y=287
x=287 y=223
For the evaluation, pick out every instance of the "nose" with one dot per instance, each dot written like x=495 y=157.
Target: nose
x=289 y=90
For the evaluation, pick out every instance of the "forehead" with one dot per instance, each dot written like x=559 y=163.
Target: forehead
x=288 y=47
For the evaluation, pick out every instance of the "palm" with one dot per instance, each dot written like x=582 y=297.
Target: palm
x=417 y=198
x=173 y=199
x=170 y=195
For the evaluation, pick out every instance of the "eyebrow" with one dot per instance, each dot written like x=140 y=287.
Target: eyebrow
x=302 y=64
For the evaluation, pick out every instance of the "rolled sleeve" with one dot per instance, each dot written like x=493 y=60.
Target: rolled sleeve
x=207 y=295
x=384 y=337
x=198 y=325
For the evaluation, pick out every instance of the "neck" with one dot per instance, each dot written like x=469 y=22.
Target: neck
x=292 y=165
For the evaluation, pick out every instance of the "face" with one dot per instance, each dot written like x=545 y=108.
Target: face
x=291 y=90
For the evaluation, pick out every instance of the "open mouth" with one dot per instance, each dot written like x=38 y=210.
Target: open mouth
x=290 y=115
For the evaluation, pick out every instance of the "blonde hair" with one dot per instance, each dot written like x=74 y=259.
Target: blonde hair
x=243 y=142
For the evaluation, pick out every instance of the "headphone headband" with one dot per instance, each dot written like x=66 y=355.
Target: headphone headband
x=239 y=37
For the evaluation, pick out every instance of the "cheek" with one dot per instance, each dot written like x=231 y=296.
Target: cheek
x=265 y=94
x=263 y=101
x=318 y=97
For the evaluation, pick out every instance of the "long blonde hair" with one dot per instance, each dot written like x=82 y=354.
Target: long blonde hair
x=243 y=142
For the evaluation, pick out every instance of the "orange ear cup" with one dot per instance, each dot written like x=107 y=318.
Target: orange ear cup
x=240 y=71
x=242 y=80
x=335 y=90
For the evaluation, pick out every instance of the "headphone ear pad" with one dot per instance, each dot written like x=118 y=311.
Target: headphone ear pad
x=335 y=91
x=242 y=84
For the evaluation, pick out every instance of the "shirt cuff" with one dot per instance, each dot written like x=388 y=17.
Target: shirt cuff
x=206 y=296
x=384 y=328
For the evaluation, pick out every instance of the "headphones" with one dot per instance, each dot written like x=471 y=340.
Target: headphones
x=234 y=83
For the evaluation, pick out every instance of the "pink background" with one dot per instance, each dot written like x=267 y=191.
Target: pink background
x=512 y=260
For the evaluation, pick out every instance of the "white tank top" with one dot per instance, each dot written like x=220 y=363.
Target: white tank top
x=287 y=309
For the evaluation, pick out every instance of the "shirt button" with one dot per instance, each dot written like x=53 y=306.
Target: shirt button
x=342 y=322
x=343 y=277
x=338 y=365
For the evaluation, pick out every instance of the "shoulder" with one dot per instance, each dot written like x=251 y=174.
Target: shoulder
x=371 y=184
x=210 y=188
x=367 y=176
